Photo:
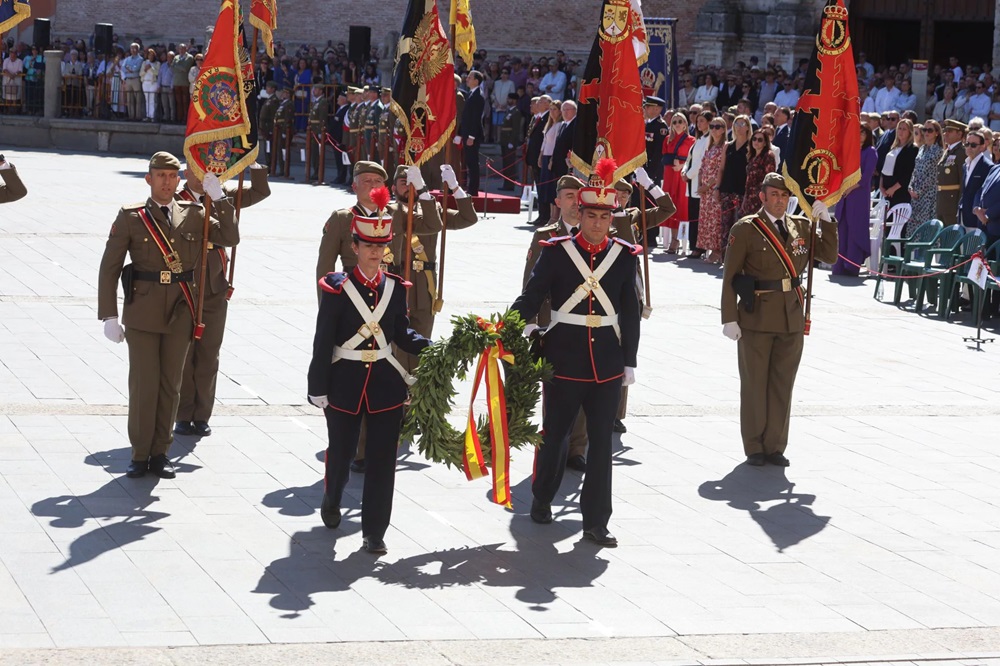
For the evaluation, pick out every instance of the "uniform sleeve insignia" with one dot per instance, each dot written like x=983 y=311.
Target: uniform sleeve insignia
x=326 y=227
x=663 y=132
x=114 y=228
x=732 y=240
x=332 y=282
x=528 y=258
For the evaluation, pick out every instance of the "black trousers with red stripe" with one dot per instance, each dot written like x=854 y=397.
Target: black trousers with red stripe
x=563 y=400
x=343 y=430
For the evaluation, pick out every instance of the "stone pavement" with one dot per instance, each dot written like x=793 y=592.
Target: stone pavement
x=880 y=542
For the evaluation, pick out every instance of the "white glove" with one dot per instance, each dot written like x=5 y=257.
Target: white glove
x=510 y=146
x=529 y=329
x=256 y=165
x=319 y=401
x=457 y=141
x=643 y=178
x=629 y=377
x=113 y=330
x=449 y=177
x=213 y=187
x=732 y=331
x=5 y=165
x=821 y=211
x=414 y=178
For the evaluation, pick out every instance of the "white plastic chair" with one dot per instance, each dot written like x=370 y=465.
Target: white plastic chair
x=528 y=197
x=895 y=221
x=876 y=219
x=683 y=237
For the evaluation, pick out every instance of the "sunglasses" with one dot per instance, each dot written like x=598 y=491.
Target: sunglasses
x=969 y=144
x=757 y=139
x=679 y=122
x=894 y=119
x=717 y=127
x=928 y=130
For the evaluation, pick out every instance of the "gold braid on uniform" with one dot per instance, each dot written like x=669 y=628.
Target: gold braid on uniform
x=433 y=395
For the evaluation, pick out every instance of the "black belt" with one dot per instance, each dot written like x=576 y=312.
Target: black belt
x=777 y=285
x=163 y=277
x=424 y=265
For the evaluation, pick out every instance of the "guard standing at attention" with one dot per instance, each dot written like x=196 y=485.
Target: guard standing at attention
x=265 y=119
x=592 y=344
x=950 y=171
x=284 y=120
x=164 y=238
x=354 y=375
x=201 y=366
x=767 y=253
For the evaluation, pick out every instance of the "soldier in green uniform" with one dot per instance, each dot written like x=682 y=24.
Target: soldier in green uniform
x=628 y=221
x=284 y=120
x=950 y=171
x=265 y=119
x=357 y=116
x=201 y=366
x=511 y=136
x=372 y=114
x=164 y=239
x=319 y=110
x=386 y=125
x=766 y=255
x=12 y=189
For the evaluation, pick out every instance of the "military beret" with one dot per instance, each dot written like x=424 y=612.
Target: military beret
x=370 y=167
x=400 y=172
x=164 y=160
x=568 y=182
x=654 y=101
x=288 y=86
x=623 y=186
x=271 y=84
x=775 y=180
x=954 y=125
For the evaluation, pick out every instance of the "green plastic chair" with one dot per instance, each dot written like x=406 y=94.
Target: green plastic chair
x=972 y=242
x=992 y=256
x=942 y=257
x=916 y=258
x=923 y=234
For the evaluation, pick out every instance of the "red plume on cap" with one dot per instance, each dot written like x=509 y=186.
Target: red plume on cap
x=605 y=170
x=380 y=197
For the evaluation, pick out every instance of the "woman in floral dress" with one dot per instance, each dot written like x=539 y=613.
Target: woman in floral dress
x=709 y=177
x=760 y=164
x=923 y=183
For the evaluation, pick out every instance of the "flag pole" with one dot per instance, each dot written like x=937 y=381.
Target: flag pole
x=648 y=308
x=239 y=192
x=408 y=253
x=446 y=192
x=199 y=326
x=809 y=276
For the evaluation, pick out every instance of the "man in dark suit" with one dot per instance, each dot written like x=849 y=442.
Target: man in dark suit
x=536 y=133
x=729 y=94
x=987 y=209
x=591 y=342
x=885 y=141
x=782 y=117
x=335 y=126
x=564 y=141
x=471 y=130
x=977 y=166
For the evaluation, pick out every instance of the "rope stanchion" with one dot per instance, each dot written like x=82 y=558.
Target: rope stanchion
x=489 y=165
x=895 y=276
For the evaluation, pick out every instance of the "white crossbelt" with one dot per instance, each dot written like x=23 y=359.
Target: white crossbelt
x=349 y=350
x=591 y=285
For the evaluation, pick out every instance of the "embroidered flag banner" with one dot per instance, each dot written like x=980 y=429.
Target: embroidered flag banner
x=264 y=17
x=13 y=12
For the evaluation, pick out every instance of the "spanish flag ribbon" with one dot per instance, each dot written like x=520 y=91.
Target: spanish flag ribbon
x=475 y=467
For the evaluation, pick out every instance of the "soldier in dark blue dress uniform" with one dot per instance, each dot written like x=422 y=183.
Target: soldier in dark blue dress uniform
x=592 y=344
x=354 y=375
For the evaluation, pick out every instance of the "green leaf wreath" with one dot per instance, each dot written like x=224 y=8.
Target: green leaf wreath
x=433 y=394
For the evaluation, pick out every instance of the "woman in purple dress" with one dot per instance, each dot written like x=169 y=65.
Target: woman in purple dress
x=853 y=213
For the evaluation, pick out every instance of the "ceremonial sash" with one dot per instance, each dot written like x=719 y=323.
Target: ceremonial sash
x=591 y=285
x=170 y=258
x=779 y=249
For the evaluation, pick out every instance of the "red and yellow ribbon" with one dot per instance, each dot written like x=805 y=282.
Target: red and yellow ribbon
x=475 y=466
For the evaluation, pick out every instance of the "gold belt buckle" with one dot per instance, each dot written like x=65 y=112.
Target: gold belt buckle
x=166 y=277
x=418 y=265
x=786 y=284
x=592 y=283
x=593 y=321
x=369 y=355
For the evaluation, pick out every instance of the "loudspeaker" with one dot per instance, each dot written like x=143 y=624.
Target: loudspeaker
x=103 y=34
x=359 y=47
x=42 y=33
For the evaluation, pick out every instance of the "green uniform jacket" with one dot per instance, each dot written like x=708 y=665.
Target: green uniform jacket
x=950 y=184
x=12 y=189
x=629 y=224
x=512 y=130
x=319 y=109
x=750 y=254
x=285 y=114
x=155 y=305
x=268 y=110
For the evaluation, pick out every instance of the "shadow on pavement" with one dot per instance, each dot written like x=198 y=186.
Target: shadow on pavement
x=788 y=522
x=128 y=499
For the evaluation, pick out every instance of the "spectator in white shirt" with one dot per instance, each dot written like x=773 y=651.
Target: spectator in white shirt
x=686 y=95
x=979 y=102
x=953 y=64
x=867 y=103
x=788 y=96
x=554 y=83
x=906 y=100
x=708 y=92
x=869 y=69
x=887 y=98
x=995 y=113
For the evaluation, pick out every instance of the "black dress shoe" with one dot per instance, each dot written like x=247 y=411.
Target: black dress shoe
x=619 y=427
x=137 y=469
x=601 y=536
x=374 y=545
x=756 y=459
x=538 y=221
x=184 y=428
x=202 y=429
x=162 y=467
x=697 y=254
x=541 y=513
x=577 y=463
x=778 y=459
x=329 y=512
x=358 y=466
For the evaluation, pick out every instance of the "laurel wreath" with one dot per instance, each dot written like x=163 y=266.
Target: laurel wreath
x=433 y=394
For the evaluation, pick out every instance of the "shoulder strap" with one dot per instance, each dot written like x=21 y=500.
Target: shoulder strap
x=170 y=258
x=372 y=327
x=779 y=249
x=591 y=282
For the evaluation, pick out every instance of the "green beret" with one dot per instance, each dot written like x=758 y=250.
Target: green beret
x=775 y=180
x=568 y=182
x=623 y=186
x=400 y=172
x=370 y=167
x=271 y=84
x=164 y=160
